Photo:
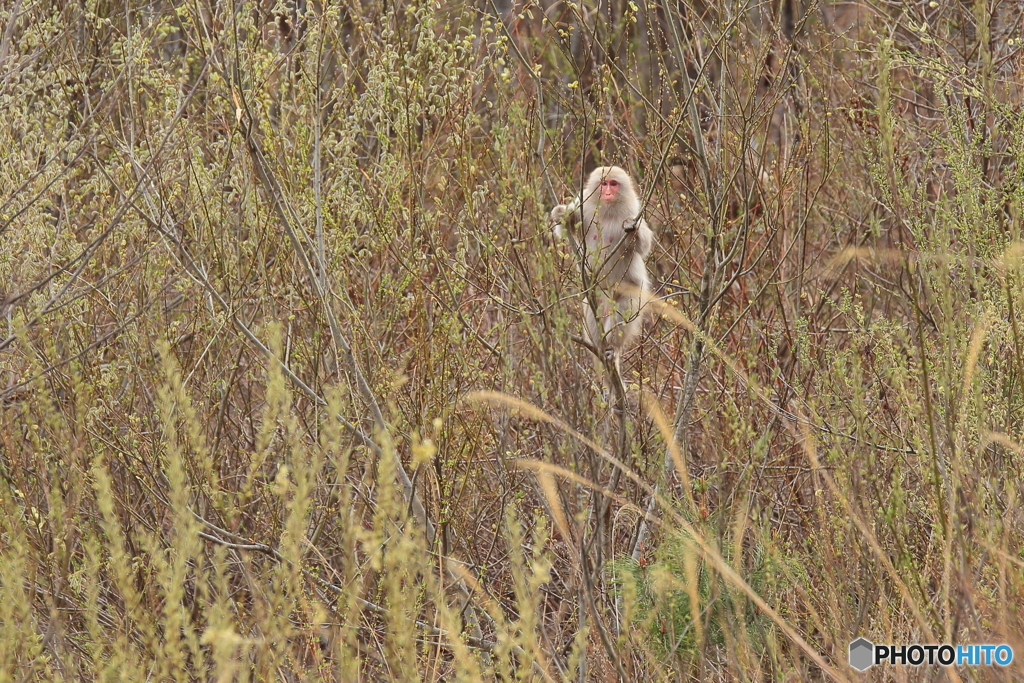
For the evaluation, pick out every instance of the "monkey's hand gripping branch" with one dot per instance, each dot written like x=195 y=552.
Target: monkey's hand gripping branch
x=564 y=213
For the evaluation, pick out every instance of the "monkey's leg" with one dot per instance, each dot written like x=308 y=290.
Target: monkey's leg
x=597 y=310
x=619 y=326
x=623 y=324
x=591 y=332
x=594 y=337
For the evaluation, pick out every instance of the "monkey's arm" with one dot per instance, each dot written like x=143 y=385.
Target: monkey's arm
x=638 y=237
x=644 y=240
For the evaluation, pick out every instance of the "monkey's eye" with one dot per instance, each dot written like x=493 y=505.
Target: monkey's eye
x=611 y=183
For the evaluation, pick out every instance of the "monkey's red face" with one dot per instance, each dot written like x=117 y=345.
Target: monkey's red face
x=609 y=190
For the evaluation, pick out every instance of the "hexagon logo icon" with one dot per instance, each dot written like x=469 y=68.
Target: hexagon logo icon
x=862 y=653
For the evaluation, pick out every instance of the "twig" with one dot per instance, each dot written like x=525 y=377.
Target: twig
x=240 y=543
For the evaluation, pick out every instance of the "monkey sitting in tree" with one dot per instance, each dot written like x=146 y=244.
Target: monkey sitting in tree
x=616 y=242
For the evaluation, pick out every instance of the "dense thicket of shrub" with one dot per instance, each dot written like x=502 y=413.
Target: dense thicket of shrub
x=288 y=380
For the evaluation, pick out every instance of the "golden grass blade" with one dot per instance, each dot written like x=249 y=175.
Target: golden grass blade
x=1001 y=439
x=978 y=337
x=661 y=422
x=550 y=490
x=708 y=550
x=671 y=313
x=808 y=445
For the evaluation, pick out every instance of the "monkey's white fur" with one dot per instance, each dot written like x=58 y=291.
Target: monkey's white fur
x=617 y=241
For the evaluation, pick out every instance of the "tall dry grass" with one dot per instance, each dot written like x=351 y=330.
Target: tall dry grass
x=289 y=387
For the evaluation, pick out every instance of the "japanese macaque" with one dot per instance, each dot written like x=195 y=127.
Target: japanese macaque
x=605 y=217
